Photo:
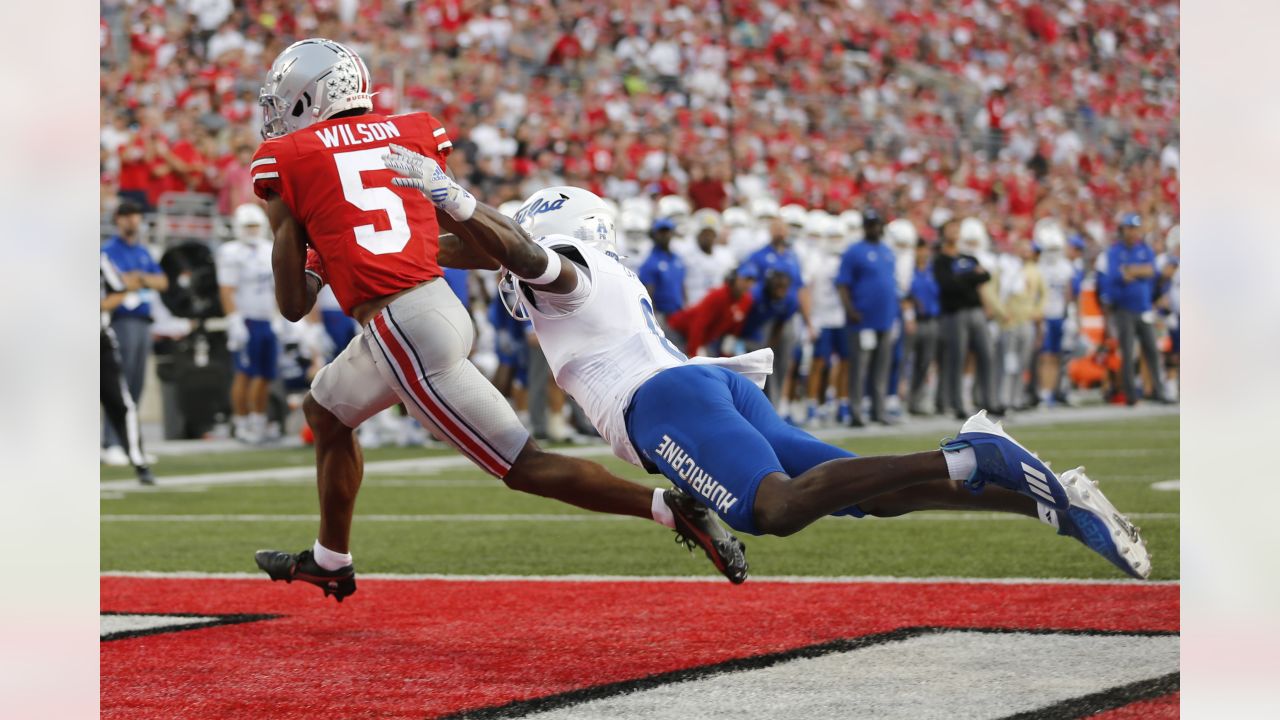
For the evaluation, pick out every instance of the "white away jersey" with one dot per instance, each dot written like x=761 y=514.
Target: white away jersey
x=1057 y=273
x=601 y=341
x=704 y=272
x=820 y=269
x=247 y=268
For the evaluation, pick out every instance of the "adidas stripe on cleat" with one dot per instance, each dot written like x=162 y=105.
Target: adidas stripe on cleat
x=1003 y=461
x=697 y=526
x=1094 y=521
x=280 y=565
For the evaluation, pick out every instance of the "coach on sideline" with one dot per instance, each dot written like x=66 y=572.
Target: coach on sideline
x=1131 y=289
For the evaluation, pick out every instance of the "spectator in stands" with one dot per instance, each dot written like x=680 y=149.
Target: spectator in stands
x=869 y=292
x=131 y=319
x=1131 y=280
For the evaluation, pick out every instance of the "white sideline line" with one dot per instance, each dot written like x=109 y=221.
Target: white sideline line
x=550 y=517
x=798 y=579
x=436 y=464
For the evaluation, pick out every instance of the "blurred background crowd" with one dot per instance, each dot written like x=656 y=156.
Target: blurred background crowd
x=791 y=147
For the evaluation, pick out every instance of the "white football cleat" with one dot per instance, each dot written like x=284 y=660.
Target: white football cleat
x=1094 y=521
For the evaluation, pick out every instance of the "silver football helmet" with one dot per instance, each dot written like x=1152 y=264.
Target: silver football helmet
x=312 y=80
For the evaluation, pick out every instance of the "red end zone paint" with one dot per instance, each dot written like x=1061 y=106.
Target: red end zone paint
x=431 y=647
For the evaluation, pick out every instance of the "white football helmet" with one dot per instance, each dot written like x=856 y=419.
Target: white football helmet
x=973 y=236
x=735 y=217
x=310 y=81
x=816 y=222
x=249 y=223
x=560 y=210
x=793 y=215
x=764 y=207
x=901 y=236
x=639 y=204
x=1049 y=237
x=564 y=210
x=705 y=218
x=851 y=220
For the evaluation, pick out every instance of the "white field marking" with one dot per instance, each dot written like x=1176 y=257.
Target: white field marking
x=436 y=464
x=547 y=517
x=938 y=675
x=797 y=579
x=460 y=517
x=108 y=624
x=1117 y=452
x=1168 y=485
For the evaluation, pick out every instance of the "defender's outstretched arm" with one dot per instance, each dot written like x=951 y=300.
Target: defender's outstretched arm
x=496 y=234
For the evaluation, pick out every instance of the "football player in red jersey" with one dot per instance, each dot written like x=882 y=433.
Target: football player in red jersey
x=338 y=219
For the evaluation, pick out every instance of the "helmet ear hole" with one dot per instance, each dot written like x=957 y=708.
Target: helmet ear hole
x=297 y=109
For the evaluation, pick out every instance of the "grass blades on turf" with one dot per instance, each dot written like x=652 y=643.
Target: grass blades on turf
x=391 y=535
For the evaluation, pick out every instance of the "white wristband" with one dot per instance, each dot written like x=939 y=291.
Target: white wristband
x=463 y=207
x=549 y=274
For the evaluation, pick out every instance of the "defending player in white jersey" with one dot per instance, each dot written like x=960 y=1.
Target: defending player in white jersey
x=710 y=430
x=831 y=348
x=1058 y=274
x=249 y=301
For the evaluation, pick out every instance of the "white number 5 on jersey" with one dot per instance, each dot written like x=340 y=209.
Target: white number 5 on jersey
x=369 y=199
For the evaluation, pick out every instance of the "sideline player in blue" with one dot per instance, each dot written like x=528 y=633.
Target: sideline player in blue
x=708 y=428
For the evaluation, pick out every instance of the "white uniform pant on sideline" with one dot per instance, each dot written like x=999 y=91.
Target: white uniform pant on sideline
x=415 y=351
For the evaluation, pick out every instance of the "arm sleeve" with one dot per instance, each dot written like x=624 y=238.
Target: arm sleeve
x=439 y=139
x=265 y=170
x=565 y=303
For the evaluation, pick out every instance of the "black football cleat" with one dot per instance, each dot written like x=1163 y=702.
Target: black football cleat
x=697 y=526
x=288 y=567
x=145 y=476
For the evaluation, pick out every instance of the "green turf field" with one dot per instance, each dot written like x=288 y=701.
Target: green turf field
x=154 y=530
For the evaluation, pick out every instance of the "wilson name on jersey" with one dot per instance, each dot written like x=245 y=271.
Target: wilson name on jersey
x=375 y=238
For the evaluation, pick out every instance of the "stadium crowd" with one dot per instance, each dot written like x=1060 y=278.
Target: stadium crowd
x=767 y=143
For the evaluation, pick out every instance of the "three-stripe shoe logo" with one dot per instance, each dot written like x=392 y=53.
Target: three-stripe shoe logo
x=1038 y=484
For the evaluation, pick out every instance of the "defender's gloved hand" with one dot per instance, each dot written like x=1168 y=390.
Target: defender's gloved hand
x=421 y=172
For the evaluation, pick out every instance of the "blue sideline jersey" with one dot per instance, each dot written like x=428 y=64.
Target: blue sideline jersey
x=663 y=271
x=867 y=269
x=132 y=258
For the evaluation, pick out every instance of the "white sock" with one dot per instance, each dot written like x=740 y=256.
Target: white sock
x=328 y=559
x=661 y=513
x=961 y=463
x=1047 y=515
x=239 y=425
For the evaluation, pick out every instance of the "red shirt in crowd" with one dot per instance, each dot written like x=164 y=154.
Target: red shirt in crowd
x=716 y=315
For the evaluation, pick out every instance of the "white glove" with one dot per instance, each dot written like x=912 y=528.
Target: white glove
x=237 y=333
x=421 y=172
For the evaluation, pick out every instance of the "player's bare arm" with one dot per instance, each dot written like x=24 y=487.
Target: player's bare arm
x=295 y=288
x=462 y=254
x=482 y=226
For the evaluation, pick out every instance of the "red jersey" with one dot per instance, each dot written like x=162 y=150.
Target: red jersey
x=374 y=238
x=716 y=315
